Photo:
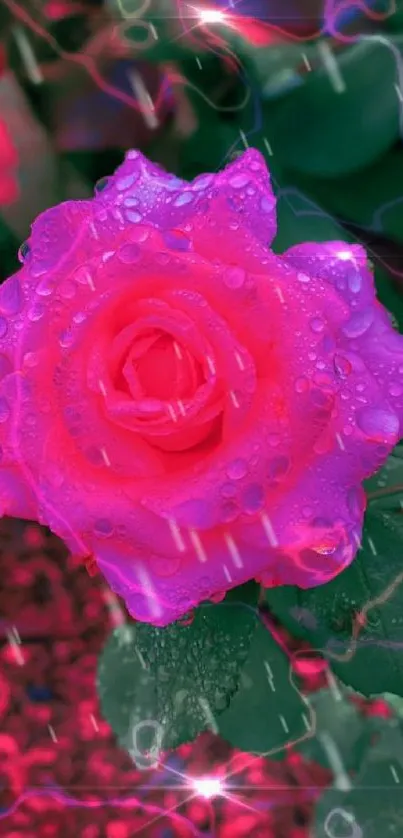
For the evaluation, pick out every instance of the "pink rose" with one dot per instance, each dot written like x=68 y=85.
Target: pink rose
x=182 y=403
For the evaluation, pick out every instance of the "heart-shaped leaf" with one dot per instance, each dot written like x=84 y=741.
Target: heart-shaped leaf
x=160 y=687
x=268 y=712
x=345 y=115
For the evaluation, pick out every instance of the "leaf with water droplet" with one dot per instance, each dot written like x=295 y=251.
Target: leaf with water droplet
x=178 y=678
x=356 y=620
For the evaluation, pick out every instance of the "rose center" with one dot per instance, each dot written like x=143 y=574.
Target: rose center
x=164 y=369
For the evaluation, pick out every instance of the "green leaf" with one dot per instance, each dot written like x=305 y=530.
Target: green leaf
x=327 y=131
x=267 y=712
x=368 y=657
x=373 y=806
x=166 y=685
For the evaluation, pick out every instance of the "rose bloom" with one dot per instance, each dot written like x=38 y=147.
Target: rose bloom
x=181 y=403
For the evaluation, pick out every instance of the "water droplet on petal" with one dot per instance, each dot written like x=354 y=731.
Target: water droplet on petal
x=134 y=216
x=303 y=277
x=238 y=181
x=36 y=312
x=395 y=389
x=253 y=498
x=177 y=240
x=139 y=234
x=4 y=409
x=317 y=324
x=342 y=366
x=11 y=298
x=103 y=527
x=101 y=184
x=266 y=205
x=301 y=385
x=129 y=253
x=378 y=424
x=126 y=182
x=354 y=281
x=184 y=198
x=359 y=323
x=237 y=469
x=23 y=252
x=31 y=359
x=234 y=277
x=66 y=338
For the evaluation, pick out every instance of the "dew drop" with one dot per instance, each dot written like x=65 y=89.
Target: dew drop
x=129 y=253
x=66 y=338
x=101 y=184
x=202 y=183
x=139 y=234
x=103 y=527
x=303 y=277
x=31 y=359
x=126 y=182
x=239 y=181
x=395 y=389
x=317 y=324
x=301 y=385
x=234 y=277
x=253 y=498
x=359 y=323
x=4 y=409
x=378 y=424
x=184 y=198
x=342 y=366
x=23 y=252
x=266 y=205
x=36 y=312
x=177 y=240
x=354 y=281
x=237 y=469
x=11 y=298
x=131 y=215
